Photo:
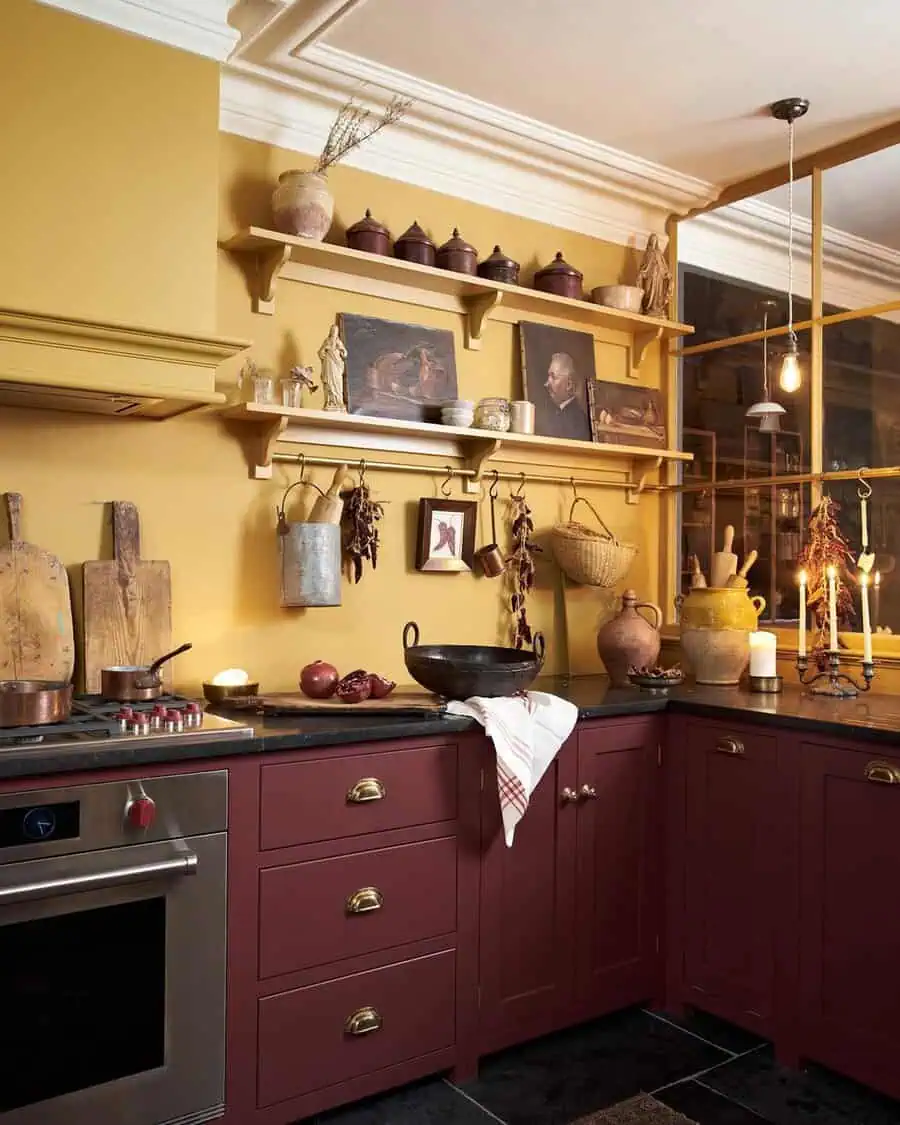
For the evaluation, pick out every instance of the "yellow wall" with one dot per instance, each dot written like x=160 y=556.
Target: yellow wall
x=144 y=163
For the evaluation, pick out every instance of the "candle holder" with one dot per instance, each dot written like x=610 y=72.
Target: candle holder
x=838 y=684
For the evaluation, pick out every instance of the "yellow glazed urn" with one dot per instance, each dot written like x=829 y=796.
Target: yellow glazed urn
x=715 y=627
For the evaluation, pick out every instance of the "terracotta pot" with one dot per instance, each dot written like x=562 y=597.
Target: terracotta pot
x=629 y=640
x=302 y=204
x=715 y=633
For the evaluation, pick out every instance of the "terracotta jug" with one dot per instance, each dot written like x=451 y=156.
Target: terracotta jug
x=629 y=640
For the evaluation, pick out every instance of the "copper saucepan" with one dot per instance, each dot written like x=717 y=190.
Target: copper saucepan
x=32 y=703
x=130 y=684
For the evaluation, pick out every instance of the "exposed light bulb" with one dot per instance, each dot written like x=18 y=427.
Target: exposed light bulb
x=791 y=375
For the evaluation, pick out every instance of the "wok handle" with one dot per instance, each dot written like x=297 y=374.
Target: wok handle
x=410 y=625
x=539 y=646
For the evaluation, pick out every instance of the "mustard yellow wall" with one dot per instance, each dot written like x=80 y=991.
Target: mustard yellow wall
x=142 y=173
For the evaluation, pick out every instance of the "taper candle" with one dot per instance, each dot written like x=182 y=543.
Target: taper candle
x=831 y=574
x=877 y=603
x=866 y=622
x=801 y=639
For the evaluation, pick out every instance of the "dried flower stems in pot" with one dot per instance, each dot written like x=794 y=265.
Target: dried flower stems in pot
x=359 y=525
x=520 y=566
x=354 y=125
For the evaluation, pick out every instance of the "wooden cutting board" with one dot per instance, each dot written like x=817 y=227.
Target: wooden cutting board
x=36 y=637
x=127 y=604
x=295 y=703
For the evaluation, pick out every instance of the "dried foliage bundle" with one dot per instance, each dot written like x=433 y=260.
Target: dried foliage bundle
x=521 y=569
x=354 y=125
x=826 y=547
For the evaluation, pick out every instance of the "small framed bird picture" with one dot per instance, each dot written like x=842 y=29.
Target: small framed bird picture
x=446 y=536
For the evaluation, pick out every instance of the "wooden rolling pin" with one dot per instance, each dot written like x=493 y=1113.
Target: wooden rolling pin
x=739 y=581
x=724 y=562
x=329 y=508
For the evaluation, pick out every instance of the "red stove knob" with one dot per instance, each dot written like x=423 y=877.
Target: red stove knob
x=159 y=709
x=140 y=813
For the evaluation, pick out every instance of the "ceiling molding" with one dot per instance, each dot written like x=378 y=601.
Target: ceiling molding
x=748 y=241
x=198 y=26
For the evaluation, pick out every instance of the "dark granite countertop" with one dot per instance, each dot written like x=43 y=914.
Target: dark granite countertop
x=874 y=718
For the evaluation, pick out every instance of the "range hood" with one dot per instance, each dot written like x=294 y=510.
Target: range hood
x=90 y=367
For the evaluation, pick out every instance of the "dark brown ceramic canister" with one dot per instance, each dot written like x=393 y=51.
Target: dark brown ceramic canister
x=369 y=235
x=456 y=254
x=414 y=245
x=560 y=278
x=499 y=268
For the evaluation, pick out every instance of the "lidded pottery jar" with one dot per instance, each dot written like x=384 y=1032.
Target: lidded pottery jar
x=414 y=245
x=302 y=204
x=560 y=278
x=629 y=640
x=716 y=623
x=456 y=254
x=369 y=235
x=498 y=267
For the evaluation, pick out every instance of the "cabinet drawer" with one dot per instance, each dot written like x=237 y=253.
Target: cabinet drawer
x=329 y=799
x=306 y=1038
x=729 y=740
x=329 y=909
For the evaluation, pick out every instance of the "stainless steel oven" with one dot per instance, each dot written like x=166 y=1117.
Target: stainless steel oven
x=112 y=952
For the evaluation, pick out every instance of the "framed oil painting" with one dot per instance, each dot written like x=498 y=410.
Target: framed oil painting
x=626 y=415
x=557 y=366
x=446 y=536
x=397 y=370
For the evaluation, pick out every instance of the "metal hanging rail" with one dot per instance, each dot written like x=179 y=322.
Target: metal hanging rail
x=743 y=483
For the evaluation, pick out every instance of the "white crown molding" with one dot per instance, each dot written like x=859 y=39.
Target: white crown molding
x=748 y=241
x=198 y=26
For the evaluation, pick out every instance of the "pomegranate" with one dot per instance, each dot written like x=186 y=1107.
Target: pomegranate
x=318 y=680
x=355 y=687
x=380 y=685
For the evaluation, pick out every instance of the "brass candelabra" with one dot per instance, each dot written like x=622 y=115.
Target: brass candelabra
x=838 y=684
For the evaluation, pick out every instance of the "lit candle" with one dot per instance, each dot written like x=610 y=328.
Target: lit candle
x=801 y=640
x=867 y=624
x=831 y=574
x=763 y=656
x=877 y=605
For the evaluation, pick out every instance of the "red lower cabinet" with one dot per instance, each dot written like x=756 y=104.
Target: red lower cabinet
x=849 y=918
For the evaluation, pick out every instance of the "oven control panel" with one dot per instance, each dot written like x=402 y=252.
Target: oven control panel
x=36 y=824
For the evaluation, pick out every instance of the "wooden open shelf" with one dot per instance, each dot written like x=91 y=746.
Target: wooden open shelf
x=474 y=448
x=275 y=256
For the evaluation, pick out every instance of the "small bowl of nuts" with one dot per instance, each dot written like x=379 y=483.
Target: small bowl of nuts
x=656 y=679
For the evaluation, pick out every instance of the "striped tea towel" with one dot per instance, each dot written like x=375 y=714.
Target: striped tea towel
x=527 y=731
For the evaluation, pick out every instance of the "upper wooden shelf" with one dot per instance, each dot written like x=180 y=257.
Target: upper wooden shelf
x=337 y=267
x=475 y=448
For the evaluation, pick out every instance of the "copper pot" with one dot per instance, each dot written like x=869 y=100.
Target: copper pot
x=32 y=703
x=369 y=235
x=457 y=255
x=414 y=245
x=130 y=684
x=560 y=278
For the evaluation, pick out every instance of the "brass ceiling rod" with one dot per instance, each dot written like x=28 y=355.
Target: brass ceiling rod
x=741 y=484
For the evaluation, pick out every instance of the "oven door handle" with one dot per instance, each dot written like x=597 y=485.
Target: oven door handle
x=185 y=864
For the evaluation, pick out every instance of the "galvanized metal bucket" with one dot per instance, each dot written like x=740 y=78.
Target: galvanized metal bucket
x=310 y=563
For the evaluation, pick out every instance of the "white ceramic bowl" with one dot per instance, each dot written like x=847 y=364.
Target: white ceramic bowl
x=458 y=404
x=627 y=298
x=461 y=418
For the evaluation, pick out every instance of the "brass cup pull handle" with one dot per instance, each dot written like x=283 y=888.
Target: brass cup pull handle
x=366 y=789
x=365 y=900
x=568 y=796
x=587 y=793
x=883 y=773
x=363 y=1022
x=732 y=746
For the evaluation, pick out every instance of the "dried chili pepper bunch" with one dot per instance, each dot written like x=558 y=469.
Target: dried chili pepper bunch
x=359 y=526
x=826 y=547
x=520 y=567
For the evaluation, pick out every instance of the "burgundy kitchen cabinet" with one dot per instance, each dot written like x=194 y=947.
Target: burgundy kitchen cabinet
x=849 y=918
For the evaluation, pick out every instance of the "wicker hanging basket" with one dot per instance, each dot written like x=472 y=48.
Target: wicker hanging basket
x=591 y=558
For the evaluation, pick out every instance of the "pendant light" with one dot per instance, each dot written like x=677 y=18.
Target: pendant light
x=789 y=109
x=768 y=412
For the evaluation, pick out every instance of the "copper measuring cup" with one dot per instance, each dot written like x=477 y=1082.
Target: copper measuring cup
x=490 y=556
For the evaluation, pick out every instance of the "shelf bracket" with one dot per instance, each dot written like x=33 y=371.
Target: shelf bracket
x=641 y=468
x=639 y=344
x=478 y=310
x=269 y=264
x=477 y=461
x=266 y=435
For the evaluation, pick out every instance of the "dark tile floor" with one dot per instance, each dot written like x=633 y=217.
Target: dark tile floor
x=711 y=1072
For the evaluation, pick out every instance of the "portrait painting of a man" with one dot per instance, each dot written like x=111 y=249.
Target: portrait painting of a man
x=557 y=365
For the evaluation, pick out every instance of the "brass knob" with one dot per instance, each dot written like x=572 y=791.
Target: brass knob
x=365 y=900
x=882 y=772
x=587 y=793
x=363 y=1022
x=568 y=796
x=732 y=746
x=366 y=789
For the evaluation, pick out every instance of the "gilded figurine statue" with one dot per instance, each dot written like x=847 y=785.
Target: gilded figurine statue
x=333 y=355
x=655 y=278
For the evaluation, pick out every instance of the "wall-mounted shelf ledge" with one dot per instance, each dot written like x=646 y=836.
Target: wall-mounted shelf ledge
x=271 y=256
x=477 y=450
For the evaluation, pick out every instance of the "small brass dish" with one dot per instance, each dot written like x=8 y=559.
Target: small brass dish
x=221 y=693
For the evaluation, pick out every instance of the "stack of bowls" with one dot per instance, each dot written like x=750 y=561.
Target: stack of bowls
x=459 y=412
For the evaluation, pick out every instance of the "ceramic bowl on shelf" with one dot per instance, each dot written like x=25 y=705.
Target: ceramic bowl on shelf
x=625 y=298
x=459 y=412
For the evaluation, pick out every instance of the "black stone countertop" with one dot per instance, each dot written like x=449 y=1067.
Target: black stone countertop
x=874 y=718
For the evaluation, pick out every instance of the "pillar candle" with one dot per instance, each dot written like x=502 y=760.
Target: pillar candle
x=801 y=639
x=866 y=622
x=831 y=574
x=763 y=656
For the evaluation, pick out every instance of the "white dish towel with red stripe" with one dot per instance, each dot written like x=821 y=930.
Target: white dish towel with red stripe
x=527 y=731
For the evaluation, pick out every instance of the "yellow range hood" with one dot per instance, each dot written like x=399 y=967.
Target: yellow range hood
x=89 y=367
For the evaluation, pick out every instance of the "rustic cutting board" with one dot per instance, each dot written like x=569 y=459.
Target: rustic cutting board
x=127 y=604
x=36 y=637
x=295 y=703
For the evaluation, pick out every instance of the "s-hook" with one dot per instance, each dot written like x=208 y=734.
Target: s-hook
x=866 y=559
x=446 y=486
x=493 y=491
x=362 y=472
x=863 y=488
x=520 y=489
